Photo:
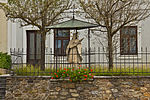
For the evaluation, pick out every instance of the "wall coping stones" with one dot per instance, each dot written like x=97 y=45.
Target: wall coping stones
x=120 y=77
x=95 y=77
x=5 y=75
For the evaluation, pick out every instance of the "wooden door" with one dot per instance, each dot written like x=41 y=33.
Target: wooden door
x=33 y=47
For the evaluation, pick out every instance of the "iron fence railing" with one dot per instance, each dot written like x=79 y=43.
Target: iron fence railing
x=30 y=64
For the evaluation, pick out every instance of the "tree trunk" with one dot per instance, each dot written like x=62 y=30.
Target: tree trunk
x=43 y=32
x=110 y=51
x=43 y=51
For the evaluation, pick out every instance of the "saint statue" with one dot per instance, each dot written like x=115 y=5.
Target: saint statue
x=73 y=50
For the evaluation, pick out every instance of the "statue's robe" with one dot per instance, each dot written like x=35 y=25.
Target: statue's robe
x=73 y=51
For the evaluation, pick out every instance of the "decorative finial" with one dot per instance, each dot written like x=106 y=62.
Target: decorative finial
x=73 y=11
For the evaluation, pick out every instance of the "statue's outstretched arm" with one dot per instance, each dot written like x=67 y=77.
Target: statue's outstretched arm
x=81 y=39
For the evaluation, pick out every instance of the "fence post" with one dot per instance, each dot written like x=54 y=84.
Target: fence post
x=146 y=59
x=56 y=60
x=86 y=61
x=103 y=58
x=89 y=51
x=52 y=60
x=10 y=72
x=142 y=58
x=99 y=58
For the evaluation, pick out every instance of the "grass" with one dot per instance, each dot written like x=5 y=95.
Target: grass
x=97 y=71
x=122 y=71
x=32 y=71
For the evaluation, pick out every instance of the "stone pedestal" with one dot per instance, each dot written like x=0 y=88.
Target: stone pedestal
x=3 y=71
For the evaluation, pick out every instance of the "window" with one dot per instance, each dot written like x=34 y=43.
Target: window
x=128 y=40
x=61 y=41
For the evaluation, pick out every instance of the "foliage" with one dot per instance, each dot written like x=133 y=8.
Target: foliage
x=74 y=74
x=39 y=13
x=5 y=61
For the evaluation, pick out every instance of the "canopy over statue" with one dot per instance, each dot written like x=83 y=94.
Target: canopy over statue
x=75 y=24
x=73 y=50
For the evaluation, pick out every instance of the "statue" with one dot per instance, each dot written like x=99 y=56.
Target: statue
x=73 y=50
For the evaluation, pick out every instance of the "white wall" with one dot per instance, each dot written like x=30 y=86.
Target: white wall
x=3 y=32
x=17 y=35
x=146 y=34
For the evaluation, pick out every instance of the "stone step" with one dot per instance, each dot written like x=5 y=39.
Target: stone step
x=2 y=98
x=2 y=84
x=3 y=71
x=2 y=81
x=2 y=88
x=2 y=95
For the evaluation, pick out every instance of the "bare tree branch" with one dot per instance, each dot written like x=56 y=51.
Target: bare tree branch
x=39 y=13
x=113 y=15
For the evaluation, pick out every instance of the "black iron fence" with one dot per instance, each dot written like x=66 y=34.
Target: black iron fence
x=96 y=59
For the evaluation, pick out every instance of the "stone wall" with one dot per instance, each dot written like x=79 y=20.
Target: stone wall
x=101 y=88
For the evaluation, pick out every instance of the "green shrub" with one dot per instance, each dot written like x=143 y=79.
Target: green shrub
x=5 y=60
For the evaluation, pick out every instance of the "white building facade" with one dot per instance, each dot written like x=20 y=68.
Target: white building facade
x=17 y=37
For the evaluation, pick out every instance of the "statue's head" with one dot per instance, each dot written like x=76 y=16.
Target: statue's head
x=74 y=36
